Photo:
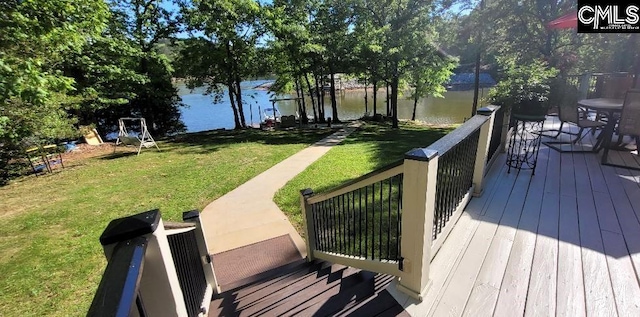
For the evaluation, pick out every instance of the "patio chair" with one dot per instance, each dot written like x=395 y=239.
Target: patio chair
x=53 y=154
x=37 y=160
x=629 y=124
x=613 y=86
x=570 y=113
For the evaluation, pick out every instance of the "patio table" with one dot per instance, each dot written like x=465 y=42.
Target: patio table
x=610 y=107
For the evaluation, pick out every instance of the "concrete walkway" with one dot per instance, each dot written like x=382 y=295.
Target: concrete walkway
x=248 y=214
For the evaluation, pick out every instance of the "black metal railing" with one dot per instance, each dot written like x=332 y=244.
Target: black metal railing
x=496 y=133
x=364 y=222
x=454 y=179
x=117 y=294
x=186 y=258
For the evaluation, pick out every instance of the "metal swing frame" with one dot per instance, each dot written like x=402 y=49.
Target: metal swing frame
x=146 y=140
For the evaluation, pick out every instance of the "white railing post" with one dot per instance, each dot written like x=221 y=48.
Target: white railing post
x=483 y=149
x=159 y=288
x=418 y=201
x=307 y=217
x=193 y=216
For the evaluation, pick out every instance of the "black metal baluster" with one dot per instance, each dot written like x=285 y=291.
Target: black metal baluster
x=373 y=221
x=389 y=220
x=452 y=188
x=360 y=221
x=320 y=231
x=399 y=224
x=345 y=217
x=381 y=220
x=323 y=219
x=353 y=212
x=366 y=220
x=316 y=229
x=336 y=242
x=327 y=212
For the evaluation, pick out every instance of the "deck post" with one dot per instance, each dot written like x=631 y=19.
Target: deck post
x=307 y=217
x=159 y=288
x=483 y=149
x=193 y=216
x=418 y=201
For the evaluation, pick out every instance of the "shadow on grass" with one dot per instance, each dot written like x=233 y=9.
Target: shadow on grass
x=211 y=141
x=117 y=155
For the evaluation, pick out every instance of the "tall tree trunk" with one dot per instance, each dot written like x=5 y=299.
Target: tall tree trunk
x=323 y=116
x=394 y=100
x=320 y=117
x=232 y=87
x=375 y=97
x=302 y=104
x=232 y=99
x=334 y=102
x=313 y=102
x=415 y=105
x=243 y=122
x=366 y=97
x=388 y=103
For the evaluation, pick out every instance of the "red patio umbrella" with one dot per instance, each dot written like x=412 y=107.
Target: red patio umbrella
x=567 y=21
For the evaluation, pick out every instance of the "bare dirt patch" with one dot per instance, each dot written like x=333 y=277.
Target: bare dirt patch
x=84 y=151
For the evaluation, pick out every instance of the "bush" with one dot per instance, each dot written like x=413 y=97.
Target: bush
x=524 y=88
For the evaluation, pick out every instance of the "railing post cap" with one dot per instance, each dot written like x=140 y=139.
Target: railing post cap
x=306 y=192
x=191 y=214
x=485 y=111
x=421 y=154
x=130 y=227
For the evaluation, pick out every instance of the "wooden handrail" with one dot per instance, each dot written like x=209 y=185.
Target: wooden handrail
x=449 y=141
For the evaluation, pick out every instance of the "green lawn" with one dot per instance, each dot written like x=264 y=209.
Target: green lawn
x=367 y=149
x=50 y=257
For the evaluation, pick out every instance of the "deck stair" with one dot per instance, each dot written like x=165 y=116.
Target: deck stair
x=317 y=288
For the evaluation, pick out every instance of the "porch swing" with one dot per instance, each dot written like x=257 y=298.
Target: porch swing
x=144 y=139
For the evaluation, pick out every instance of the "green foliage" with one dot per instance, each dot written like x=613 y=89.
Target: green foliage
x=34 y=38
x=522 y=84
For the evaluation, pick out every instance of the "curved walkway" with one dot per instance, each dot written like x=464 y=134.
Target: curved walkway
x=248 y=215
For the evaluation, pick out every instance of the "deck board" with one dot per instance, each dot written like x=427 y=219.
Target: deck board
x=598 y=291
x=567 y=243
x=466 y=272
x=570 y=284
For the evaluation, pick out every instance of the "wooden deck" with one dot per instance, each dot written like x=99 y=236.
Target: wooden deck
x=564 y=242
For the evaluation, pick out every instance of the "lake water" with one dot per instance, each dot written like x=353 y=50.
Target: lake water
x=202 y=114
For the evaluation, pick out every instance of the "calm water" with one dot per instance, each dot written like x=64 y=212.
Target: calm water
x=202 y=114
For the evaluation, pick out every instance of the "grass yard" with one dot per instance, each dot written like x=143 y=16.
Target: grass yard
x=367 y=149
x=50 y=258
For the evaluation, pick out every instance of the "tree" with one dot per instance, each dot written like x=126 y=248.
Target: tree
x=34 y=38
x=401 y=28
x=224 y=54
x=143 y=24
x=427 y=76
